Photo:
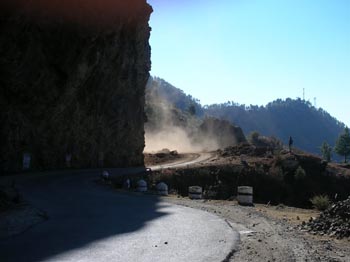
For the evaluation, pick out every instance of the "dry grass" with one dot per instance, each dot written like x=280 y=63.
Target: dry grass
x=289 y=214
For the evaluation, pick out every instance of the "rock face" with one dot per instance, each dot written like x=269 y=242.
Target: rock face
x=72 y=77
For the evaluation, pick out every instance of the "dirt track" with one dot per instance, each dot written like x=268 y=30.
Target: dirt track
x=185 y=160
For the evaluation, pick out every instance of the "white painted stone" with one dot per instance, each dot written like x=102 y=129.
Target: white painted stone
x=105 y=175
x=141 y=186
x=162 y=189
x=26 y=161
x=195 y=192
x=68 y=160
x=126 y=184
x=245 y=195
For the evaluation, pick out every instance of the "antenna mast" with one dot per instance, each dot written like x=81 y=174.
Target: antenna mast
x=303 y=94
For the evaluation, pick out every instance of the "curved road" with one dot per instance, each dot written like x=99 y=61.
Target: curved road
x=198 y=158
x=91 y=222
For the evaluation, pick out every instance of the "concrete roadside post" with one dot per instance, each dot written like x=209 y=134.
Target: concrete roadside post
x=68 y=160
x=126 y=184
x=105 y=175
x=245 y=195
x=141 y=186
x=195 y=192
x=26 y=161
x=162 y=189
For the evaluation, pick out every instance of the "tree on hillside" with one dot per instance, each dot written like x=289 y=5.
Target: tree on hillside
x=191 y=109
x=326 y=151
x=342 y=146
x=281 y=118
x=253 y=137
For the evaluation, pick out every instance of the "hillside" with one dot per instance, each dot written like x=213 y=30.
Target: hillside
x=173 y=95
x=172 y=122
x=308 y=126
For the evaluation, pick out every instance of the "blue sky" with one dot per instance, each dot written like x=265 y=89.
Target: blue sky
x=255 y=51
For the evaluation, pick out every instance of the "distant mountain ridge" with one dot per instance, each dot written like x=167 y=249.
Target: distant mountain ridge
x=308 y=126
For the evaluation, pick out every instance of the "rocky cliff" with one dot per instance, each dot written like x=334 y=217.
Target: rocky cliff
x=72 y=78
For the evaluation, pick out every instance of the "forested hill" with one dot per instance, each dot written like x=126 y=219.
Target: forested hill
x=173 y=95
x=308 y=126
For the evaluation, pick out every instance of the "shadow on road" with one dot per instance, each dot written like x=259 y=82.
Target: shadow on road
x=80 y=212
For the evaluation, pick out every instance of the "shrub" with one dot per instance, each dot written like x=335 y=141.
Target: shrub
x=300 y=173
x=278 y=159
x=253 y=137
x=276 y=171
x=320 y=202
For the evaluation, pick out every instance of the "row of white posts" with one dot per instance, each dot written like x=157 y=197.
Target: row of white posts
x=162 y=188
x=244 y=193
x=27 y=159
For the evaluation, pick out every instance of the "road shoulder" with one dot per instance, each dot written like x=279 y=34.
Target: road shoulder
x=270 y=239
x=19 y=219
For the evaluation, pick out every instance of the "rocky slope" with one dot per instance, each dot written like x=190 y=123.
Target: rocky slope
x=335 y=221
x=72 y=77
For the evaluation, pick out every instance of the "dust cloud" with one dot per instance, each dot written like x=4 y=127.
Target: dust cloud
x=170 y=128
x=177 y=138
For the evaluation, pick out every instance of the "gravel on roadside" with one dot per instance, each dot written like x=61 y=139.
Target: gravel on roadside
x=267 y=239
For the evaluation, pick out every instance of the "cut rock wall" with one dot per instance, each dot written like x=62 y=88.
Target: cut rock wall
x=72 y=83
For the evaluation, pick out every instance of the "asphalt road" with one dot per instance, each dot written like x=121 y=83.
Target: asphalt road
x=91 y=222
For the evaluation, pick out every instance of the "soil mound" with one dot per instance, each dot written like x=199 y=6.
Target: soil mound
x=244 y=149
x=335 y=221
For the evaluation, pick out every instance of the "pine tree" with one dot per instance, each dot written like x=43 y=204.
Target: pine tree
x=191 y=109
x=253 y=138
x=342 y=146
x=326 y=151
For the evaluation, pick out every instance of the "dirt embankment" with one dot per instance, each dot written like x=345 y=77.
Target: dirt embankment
x=277 y=177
